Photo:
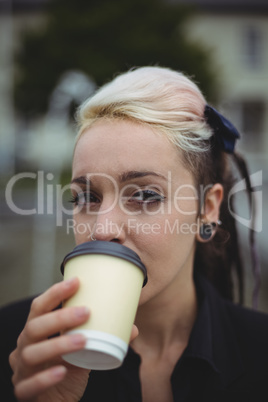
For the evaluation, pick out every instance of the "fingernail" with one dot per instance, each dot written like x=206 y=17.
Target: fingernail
x=81 y=311
x=78 y=339
x=69 y=282
x=58 y=371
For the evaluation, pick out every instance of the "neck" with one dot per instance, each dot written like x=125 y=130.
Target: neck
x=168 y=319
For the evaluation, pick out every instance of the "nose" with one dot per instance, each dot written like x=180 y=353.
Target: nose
x=110 y=225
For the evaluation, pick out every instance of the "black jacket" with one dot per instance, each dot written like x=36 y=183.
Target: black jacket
x=226 y=359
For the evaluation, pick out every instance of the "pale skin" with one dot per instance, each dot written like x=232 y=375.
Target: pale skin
x=141 y=173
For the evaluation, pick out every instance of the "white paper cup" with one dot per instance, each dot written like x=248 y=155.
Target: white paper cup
x=111 y=278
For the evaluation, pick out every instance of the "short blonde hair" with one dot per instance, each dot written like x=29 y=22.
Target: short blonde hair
x=160 y=97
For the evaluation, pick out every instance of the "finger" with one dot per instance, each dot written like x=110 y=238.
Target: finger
x=55 y=322
x=13 y=359
x=19 y=339
x=34 y=386
x=52 y=298
x=50 y=349
x=134 y=333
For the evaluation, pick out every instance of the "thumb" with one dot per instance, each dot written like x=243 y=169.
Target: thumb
x=134 y=333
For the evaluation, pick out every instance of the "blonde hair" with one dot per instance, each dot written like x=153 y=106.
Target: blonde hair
x=161 y=97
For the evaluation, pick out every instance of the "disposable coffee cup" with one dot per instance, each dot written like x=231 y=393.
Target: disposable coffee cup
x=111 y=278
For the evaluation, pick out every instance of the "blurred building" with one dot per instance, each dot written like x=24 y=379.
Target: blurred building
x=15 y=16
x=236 y=32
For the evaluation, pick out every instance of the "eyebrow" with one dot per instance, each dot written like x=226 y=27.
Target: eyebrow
x=134 y=174
x=81 y=180
x=126 y=176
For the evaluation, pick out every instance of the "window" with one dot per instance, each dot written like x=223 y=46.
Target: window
x=253 y=47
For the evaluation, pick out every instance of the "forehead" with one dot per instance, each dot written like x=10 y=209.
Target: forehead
x=116 y=146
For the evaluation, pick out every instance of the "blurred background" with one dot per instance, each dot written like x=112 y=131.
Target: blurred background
x=54 y=54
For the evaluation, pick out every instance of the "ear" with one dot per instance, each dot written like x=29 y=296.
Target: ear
x=212 y=204
x=210 y=214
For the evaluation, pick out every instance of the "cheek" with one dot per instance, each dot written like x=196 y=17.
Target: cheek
x=185 y=201
x=180 y=224
x=169 y=242
x=167 y=257
x=172 y=236
x=82 y=229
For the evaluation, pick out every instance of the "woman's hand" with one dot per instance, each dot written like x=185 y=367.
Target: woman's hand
x=40 y=374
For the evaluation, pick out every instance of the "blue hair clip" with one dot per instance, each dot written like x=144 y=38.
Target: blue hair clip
x=224 y=131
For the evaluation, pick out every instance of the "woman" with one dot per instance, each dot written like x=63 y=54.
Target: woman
x=151 y=171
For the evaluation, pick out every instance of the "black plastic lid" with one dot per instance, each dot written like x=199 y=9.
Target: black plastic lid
x=107 y=248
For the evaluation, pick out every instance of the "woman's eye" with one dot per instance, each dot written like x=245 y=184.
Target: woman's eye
x=84 y=198
x=146 y=197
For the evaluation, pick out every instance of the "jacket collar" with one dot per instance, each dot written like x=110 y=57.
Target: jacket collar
x=213 y=338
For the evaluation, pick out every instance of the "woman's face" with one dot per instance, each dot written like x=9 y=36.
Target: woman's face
x=129 y=185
